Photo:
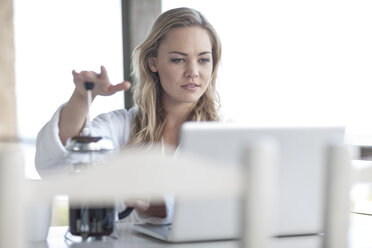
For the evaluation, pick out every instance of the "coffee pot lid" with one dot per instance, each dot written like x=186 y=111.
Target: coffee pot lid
x=89 y=144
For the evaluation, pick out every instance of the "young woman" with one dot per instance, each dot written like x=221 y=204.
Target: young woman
x=174 y=71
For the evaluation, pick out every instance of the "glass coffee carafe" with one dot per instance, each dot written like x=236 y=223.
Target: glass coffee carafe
x=85 y=220
x=87 y=151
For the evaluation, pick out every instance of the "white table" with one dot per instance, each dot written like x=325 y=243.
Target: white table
x=360 y=237
x=127 y=238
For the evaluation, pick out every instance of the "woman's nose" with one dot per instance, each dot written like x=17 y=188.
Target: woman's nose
x=192 y=71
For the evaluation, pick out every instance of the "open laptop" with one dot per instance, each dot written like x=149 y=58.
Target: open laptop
x=301 y=184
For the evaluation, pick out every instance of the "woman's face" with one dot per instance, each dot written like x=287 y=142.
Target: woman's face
x=184 y=65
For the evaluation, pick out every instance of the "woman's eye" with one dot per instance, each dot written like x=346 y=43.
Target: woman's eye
x=177 y=60
x=204 y=60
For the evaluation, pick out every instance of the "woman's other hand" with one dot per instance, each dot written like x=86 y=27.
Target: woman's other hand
x=148 y=207
x=139 y=205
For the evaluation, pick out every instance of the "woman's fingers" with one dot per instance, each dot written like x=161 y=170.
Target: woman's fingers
x=84 y=76
x=76 y=75
x=119 y=87
x=103 y=86
x=138 y=205
x=125 y=85
x=103 y=74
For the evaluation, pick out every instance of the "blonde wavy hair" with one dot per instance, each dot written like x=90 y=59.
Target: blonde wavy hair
x=149 y=123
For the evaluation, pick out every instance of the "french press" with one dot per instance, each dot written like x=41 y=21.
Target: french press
x=87 y=221
x=87 y=151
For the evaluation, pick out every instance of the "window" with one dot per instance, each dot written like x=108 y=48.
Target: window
x=51 y=39
x=294 y=62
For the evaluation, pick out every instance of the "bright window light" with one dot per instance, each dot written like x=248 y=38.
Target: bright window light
x=51 y=39
x=294 y=62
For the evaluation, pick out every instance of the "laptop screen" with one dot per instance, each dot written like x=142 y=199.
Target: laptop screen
x=302 y=155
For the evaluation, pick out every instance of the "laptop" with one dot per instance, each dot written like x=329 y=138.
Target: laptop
x=300 y=193
x=198 y=220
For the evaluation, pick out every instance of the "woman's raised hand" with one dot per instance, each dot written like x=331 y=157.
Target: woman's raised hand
x=102 y=84
x=73 y=114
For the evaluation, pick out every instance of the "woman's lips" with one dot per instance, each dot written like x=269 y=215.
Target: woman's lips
x=190 y=86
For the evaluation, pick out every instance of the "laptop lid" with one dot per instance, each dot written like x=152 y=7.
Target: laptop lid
x=302 y=159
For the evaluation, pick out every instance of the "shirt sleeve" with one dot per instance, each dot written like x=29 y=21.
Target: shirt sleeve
x=51 y=155
x=50 y=152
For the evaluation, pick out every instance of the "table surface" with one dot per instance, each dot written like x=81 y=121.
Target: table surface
x=360 y=237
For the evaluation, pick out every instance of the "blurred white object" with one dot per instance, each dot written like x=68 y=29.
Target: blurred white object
x=362 y=174
x=337 y=197
x=11 y=186
x=37 y=215
x=260 y=165
x=138 y=173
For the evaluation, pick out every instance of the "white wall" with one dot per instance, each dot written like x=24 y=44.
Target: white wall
x=305 y=62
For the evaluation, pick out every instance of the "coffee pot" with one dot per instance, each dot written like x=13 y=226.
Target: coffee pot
x=88 y=151
x=86 y=220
